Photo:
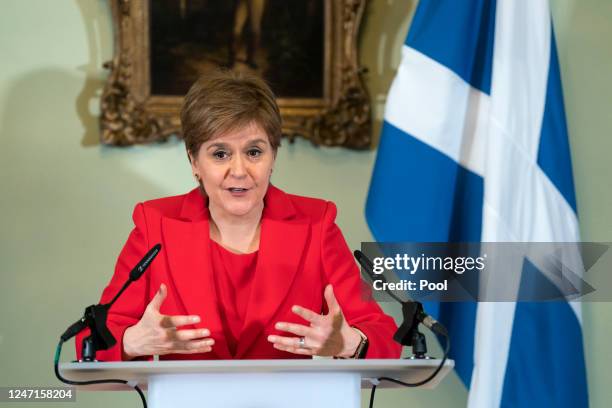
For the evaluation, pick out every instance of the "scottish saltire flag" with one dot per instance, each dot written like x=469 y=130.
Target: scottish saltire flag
x=474 y=147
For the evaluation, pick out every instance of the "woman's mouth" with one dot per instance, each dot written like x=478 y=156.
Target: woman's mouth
x=237 y=191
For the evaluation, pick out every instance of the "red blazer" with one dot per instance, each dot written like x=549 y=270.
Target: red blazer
x=301 y=250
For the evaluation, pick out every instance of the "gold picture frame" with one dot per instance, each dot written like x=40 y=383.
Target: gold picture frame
x=131 y=114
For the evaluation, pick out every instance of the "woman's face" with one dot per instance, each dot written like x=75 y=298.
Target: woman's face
x=235 y=170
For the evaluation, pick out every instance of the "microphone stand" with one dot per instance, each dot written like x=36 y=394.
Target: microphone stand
x=95 y=316
x=408 y=333
x=101 y=337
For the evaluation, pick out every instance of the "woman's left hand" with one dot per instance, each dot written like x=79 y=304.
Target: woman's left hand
x=327 y=335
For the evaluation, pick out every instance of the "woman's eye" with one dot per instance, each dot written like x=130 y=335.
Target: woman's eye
x=254 y=153
x=220 y=154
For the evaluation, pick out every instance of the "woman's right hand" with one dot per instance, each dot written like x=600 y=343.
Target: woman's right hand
x=156 y=333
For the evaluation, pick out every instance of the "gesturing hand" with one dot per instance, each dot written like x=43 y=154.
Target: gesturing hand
x=327 y=335
x=156 y=333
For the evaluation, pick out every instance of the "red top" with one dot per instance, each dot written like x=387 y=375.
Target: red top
x=233 y=277
x=301 y=250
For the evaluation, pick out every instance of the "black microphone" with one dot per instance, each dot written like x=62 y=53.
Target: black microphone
x=137 y=271
x=144 y=263
x=73 y=330
x=428 y=321
x=97 y=313
x=368 y=266
x=100 y=337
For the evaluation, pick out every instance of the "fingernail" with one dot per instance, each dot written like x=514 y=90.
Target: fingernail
x=295 y=308
x=204 y=333
x=279 y=326
x=271 y=338
x=195 y=319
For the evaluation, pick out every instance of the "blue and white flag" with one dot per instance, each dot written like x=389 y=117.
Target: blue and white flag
x=474 y=147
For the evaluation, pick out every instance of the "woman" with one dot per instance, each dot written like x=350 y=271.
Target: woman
x=246 y=271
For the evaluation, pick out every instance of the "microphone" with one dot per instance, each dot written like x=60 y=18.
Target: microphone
x=367 y=264
x=137 y=271
x=95 y=315
x=100 y=337
x=419 y=313
x=144 y=263
x=408 y=333
x=73 y=330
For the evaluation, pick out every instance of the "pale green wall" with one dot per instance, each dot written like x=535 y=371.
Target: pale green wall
x=584 y=32
x=66 y=202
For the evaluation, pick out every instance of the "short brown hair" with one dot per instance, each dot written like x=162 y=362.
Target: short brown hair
x=227 y=100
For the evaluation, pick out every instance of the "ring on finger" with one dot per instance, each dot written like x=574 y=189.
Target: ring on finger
x=302 y=343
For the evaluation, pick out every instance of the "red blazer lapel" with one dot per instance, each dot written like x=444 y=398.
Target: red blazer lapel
x=281 y=248
x=187 y=242
x=284 y=235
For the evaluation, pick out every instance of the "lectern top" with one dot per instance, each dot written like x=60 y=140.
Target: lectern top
x=402 y=369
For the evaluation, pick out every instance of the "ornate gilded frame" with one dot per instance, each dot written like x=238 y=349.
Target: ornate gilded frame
x=131 y=115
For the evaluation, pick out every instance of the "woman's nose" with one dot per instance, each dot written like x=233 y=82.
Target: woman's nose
x=237 y=166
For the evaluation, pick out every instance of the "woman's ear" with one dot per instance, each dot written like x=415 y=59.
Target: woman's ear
x=192 y=161
x=273 y=163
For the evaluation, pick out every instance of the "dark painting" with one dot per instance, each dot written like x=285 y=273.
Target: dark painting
x=281 y=40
